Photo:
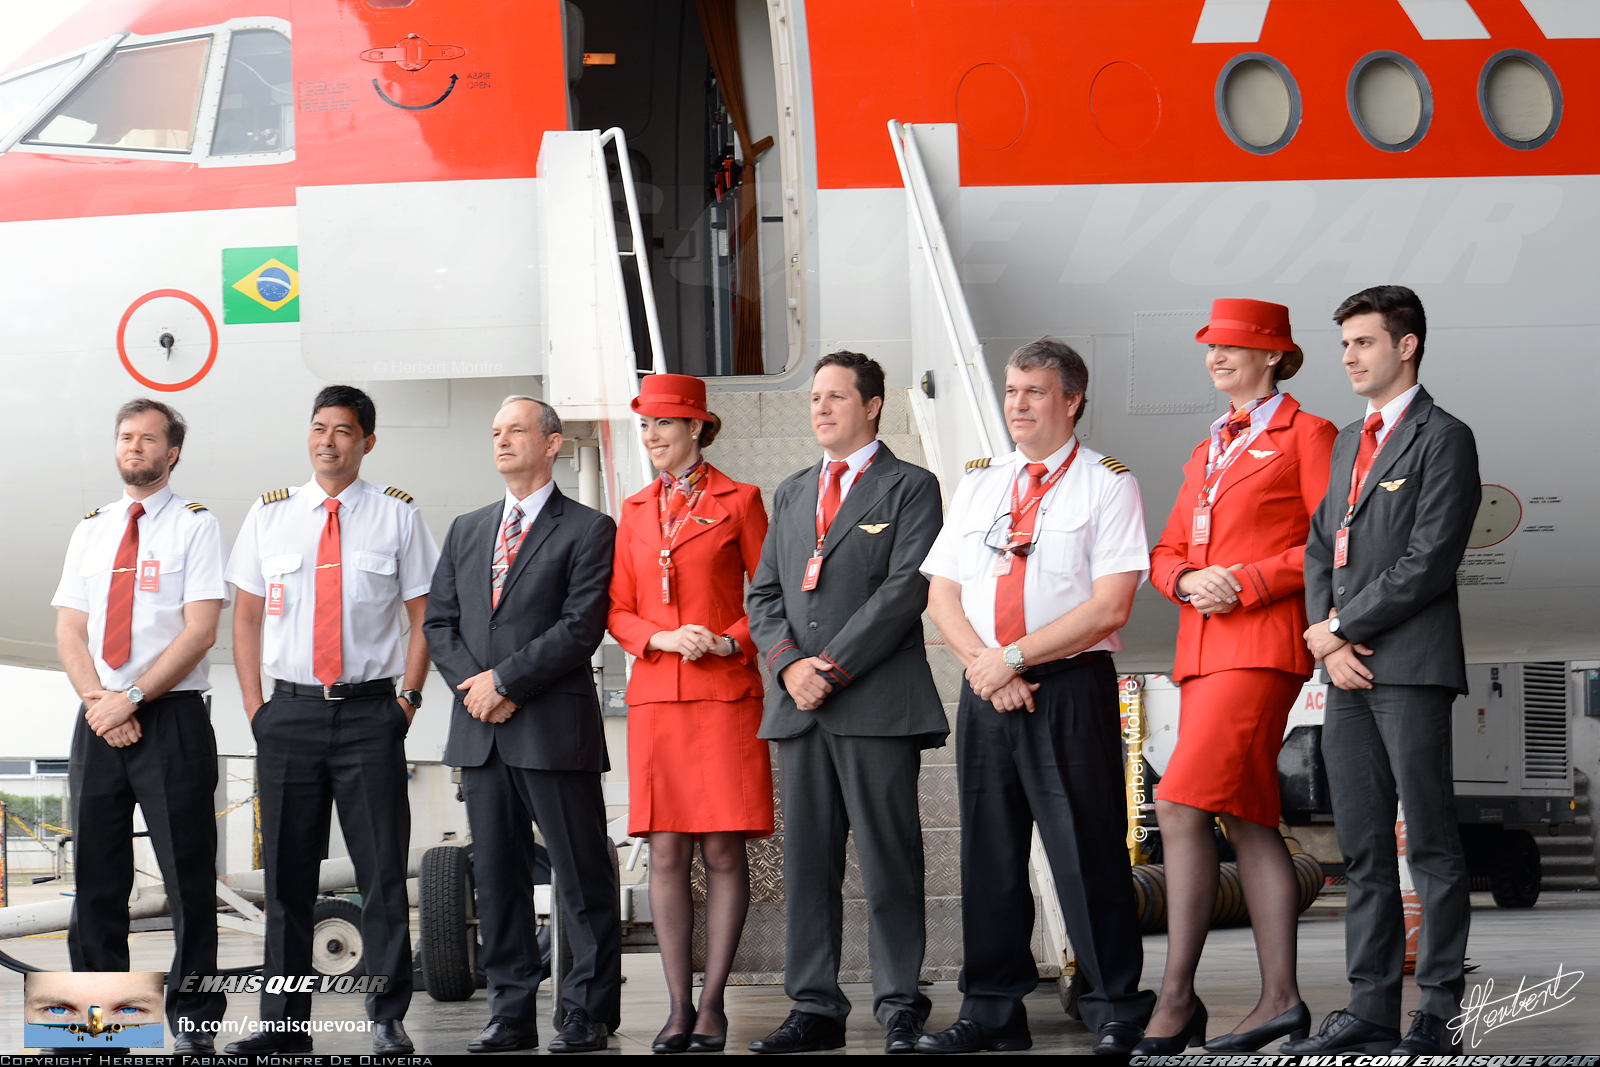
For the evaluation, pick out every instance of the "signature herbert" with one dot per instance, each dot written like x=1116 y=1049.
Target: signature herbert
x=1485 y=1012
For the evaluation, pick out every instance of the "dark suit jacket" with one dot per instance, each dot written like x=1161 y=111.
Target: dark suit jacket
x=865 y=616
x=551 y=617
x=1397 y=595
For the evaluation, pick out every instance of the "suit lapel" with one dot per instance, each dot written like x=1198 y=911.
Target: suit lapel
x=1396 y=444
x=709 y=513
x=1251 y=463
x=542 y=528
x=870 y=486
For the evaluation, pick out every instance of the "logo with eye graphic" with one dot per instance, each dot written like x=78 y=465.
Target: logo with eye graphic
x=92 y=1009
x=260 y=285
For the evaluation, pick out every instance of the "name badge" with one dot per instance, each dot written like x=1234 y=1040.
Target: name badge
x=149 y=576
x=1002 y=566
x=275 y=598
x=1341 y=547
x=1200 y=533
x=813 y=573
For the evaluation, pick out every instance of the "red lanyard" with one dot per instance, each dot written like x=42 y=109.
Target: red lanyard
x=666 y=551
x=1020 y=512
x=822 y=486
x=1224 y=461
x=1358 y=477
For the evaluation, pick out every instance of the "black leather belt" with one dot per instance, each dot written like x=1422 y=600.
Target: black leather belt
x=343 y=691
x=1071 y=663
x=172 y=694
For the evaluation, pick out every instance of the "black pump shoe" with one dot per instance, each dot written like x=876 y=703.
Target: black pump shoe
x=1193 y=1033
x=678 y=1042
x=1295 y=1024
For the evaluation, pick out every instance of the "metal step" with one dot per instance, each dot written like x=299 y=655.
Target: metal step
x=1568 y=857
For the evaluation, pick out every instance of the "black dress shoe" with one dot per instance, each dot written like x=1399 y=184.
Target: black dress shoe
x=904 y=1029
x=1295 y=1024
x=266 y=1042
x=192 y=1043
x=505 y=1034
x=1192 y=1034
x=802 y=1031
x=699 y=1042
x=1344 y=1032
x=1118 y=1038
x=1429 y=1036
x=389 y=1038
x=668 y=1043
x=967 y=1036
x=581 y=1032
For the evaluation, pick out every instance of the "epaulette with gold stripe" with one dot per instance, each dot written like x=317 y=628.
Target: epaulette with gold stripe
x=398 y=494
x=1113 y=464
x=196 y=507
x=93 y=513
x=979 y=464
x=275 y=496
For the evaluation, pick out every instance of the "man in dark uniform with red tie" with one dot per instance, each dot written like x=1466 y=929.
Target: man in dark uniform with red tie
x=137 y=611
x=326 y=574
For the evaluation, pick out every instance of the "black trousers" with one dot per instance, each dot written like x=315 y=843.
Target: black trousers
x=832 y=785
x=311 y=754
x=503 y=803
x=171 y=773
x=1060 y=767
x=1389 y=743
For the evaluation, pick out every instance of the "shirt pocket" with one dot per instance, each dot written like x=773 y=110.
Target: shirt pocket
x=377 y=577
x=1062 y=544
x=284 y=571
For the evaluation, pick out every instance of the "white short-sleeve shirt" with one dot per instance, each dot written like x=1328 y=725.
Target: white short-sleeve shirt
x=1090 y=524
x=386 y=555
x=185 y=541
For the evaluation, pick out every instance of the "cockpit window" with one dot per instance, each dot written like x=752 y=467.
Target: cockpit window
x=257 y=112
x=144 y=97
x=22 y=94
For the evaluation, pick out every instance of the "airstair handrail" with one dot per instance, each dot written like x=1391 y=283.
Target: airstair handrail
x=953 y=309
x=625 y=175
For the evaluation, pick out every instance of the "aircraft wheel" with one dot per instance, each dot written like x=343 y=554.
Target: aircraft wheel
x=336 y=946
x=1517 y=872
x=448 y=916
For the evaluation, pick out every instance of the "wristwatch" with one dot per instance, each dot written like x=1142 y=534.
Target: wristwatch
x=412 y=697
x=1014 y=659
x=731 y=644
x=499 y=686
x=1333 y=625
x=135 y=695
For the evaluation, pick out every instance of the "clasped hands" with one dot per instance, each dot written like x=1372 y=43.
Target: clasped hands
x=484 y=701
x=691 y=641
x=1340 y=658
x=1211 y=590
x=994 y=681
x=109 y=714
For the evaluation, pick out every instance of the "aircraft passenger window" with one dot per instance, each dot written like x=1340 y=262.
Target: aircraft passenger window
x=21 y=95
x=257 y=113
x=1258 y=103
x=1390 y=101
x=142 y=97
x=1520 y=98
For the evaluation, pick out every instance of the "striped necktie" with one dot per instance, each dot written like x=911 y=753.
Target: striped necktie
x=505 y=551
x=327 y=627
x=118 y=642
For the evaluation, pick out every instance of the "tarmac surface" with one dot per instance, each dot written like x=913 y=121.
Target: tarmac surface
x=1508 y=947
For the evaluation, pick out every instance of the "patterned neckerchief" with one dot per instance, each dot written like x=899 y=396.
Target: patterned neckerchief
x=680 y=495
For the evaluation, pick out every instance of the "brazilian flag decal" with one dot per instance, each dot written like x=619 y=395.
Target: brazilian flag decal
x=260 y=285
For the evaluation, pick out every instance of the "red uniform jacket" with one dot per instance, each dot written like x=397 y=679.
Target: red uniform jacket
x=717 y=547
x=1261 y=518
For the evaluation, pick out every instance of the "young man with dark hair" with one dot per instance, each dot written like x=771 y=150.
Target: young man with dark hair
x=137 y=610
x=326 y=573
x=836 y=608
x=1380 y=580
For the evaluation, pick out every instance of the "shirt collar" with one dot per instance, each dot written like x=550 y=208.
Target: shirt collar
x=532 y=503
x=314 y=495
x=1052 y=461
x=857 y=459
x=1394 y=408
x=1260 y=415
x=152 y=503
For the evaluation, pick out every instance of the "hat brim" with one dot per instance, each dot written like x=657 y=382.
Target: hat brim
x=1220 y=335
x=662 y=409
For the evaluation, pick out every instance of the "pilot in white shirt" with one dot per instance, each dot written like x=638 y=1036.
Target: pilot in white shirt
x=137 y=610
x=326 y=575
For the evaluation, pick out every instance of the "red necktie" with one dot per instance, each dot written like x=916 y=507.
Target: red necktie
x=1365 y=454
x=1010 y=618
x=830 y=497
x=119 y=604
x=327 y=629
x=505 y=552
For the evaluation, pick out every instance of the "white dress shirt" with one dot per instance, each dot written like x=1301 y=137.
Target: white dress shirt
x=189 y=548
x=1090 y=524
x=386 y=556
x=531 y=505
x=858 y=461
x=1392 y=411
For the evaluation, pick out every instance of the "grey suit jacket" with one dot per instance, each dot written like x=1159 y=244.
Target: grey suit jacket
x=551 y=617
x=864 y=617
x=1397 y=594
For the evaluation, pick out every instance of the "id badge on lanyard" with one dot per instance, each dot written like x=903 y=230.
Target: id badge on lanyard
x=149 y=576
x=1200 y=527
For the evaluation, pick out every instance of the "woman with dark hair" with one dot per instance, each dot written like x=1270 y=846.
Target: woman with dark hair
x=685 y=545
x=1232 y=557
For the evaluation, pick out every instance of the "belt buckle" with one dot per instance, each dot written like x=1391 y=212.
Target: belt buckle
x=327 y=691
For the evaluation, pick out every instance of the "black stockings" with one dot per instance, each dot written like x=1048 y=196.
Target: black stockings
x=672 y=908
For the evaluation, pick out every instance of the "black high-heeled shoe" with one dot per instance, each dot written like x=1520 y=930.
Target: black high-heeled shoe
x=678 y=1042
x=1295 y=1024
x=710 y=1042
x=1192 y=1034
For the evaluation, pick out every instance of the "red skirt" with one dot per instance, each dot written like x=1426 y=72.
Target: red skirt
x=1230 y=729
x=697 y=767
